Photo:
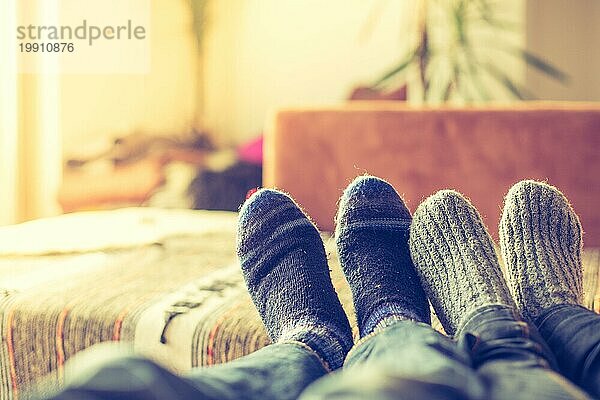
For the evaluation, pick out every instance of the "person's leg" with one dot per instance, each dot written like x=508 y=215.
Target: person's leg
x=399 y=356
x=405 y=360
x=455 y=257
x=285 y=268
x=372 y=226
x=541 y=241
x=573 y=334
x=277 y=371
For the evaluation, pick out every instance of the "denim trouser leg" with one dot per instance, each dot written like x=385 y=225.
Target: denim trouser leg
x=573 y=334
x=407 y=360
x=498 y=357
x=278 y=371
x=512 y=358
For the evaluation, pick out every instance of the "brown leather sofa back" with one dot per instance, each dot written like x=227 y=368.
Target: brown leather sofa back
x=314 y=153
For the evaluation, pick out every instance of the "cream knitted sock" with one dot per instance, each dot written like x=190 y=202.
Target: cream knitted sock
x=540 y=238
x=455 y=258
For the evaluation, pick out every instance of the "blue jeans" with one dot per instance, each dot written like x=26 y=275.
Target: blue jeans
x=496 y=356
x=573 y=335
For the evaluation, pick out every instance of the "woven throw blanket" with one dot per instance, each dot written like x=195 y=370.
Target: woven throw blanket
x=176 y=297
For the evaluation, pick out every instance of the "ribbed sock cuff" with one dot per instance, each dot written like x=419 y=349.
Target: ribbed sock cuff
x=385 y=315
x=331 y=345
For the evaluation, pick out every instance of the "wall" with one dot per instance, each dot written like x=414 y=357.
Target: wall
x=258 y=55
x=97 y=108
x=566 y=32
x=263 y=54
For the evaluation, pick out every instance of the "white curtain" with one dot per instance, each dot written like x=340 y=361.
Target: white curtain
x=30 y=150
x=8 y=115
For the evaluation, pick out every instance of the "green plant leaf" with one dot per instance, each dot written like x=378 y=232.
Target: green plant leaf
x=473 y=70
x=544 y=66
x=198 y=19
x=406 y=62
x=448 y=91
x=459 y=14
x=501 y=24
x=461 y=84
x=517 y=91
x=536 y=62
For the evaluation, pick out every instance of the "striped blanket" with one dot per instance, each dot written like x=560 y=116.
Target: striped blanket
x=167 y=282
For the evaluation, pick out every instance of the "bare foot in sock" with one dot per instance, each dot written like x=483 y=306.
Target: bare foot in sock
x=540 y=238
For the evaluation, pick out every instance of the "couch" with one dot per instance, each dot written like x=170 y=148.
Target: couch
x=313 y=153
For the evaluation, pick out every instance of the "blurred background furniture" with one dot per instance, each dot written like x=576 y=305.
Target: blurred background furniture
x=313 y=153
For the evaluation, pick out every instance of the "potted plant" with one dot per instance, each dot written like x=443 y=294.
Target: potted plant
x=448 y=60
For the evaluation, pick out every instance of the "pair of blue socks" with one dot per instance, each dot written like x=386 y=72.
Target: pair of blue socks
x=285 y=267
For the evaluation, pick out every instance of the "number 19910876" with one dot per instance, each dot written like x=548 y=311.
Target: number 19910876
x=46 y=47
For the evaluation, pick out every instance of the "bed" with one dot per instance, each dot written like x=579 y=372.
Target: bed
x=166 y=282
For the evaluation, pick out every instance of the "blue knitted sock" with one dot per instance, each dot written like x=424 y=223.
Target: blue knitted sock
x=285 y=268
x=372 y=240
